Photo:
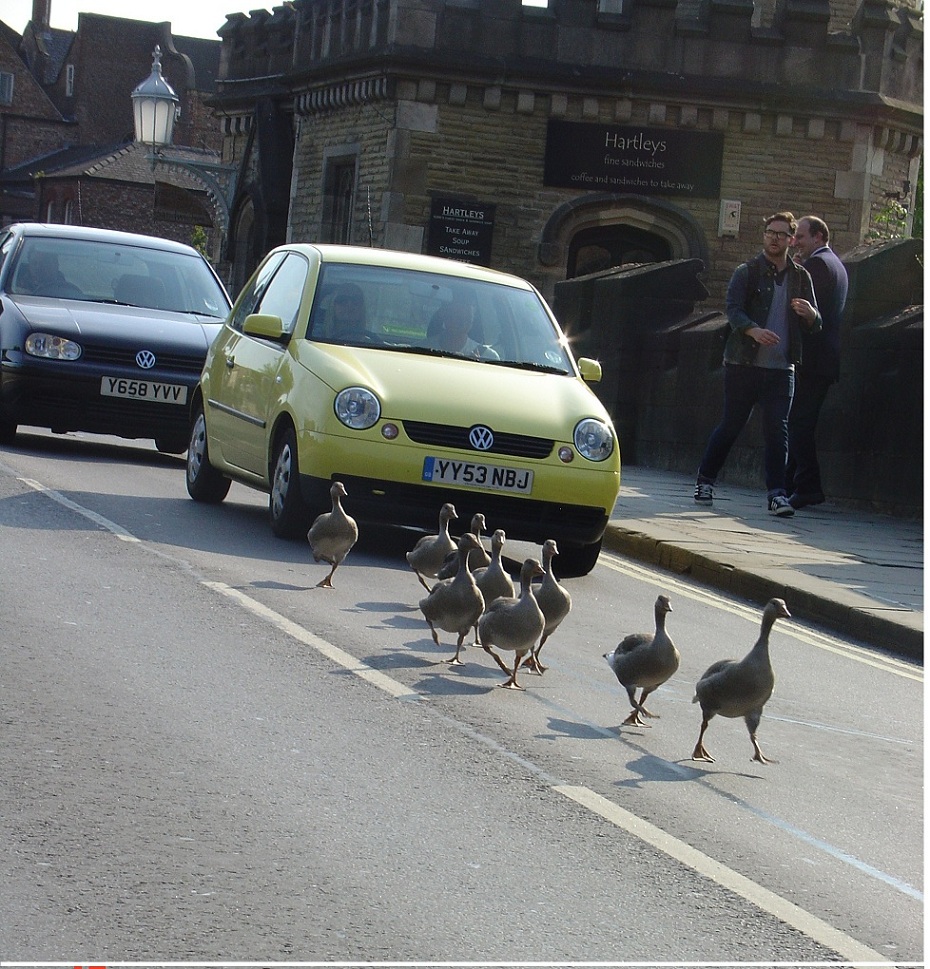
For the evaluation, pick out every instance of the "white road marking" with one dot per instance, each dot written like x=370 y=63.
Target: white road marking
x=890 y=664
x=816 y=929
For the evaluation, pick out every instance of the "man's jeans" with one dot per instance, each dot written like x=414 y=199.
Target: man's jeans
x=743 y=388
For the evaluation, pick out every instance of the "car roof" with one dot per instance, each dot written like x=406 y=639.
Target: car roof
x=396 y=259
x=42 y=230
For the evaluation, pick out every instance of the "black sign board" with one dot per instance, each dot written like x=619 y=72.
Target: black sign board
x=633 y=159
x=461 y=230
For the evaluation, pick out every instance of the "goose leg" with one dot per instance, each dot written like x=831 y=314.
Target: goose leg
x=641 y=706
x=700 y=751
x=752 y=723
x=634 y=719
x=327 y=583
x=432 y=629
x=532 y=660
x=512 y=684
x=455 y=661
x=495 y=657
x=423 y=582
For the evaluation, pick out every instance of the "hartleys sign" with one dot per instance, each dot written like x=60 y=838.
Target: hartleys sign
x=633 y=159
x=461 y=229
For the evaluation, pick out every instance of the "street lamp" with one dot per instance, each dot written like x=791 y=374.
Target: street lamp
x=155 y=108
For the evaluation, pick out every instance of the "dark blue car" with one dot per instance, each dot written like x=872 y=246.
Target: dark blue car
x=103 y=331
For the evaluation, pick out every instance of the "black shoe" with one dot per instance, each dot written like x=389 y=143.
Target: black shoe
x=798 y=500
x=779 y=506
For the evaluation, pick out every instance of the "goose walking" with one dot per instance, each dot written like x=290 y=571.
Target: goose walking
x=740 y=689
x=477 y=559
x=430 y=551
x=332 y=534
x=554 y=600
x=455 y=604
x=645 y=660
x=513 y=624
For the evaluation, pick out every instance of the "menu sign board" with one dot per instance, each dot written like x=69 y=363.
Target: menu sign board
x=462 y=230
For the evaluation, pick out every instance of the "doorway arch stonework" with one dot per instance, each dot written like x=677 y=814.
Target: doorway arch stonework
x=675 y=226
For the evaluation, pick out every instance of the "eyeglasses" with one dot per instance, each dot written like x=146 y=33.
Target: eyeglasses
x=777 y=235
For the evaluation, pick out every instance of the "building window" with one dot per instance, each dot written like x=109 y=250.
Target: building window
x=6 y=87
x=50 y=212
x=338 y=199
x=69 y=81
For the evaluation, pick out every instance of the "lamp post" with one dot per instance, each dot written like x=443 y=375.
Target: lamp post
x=155 y=108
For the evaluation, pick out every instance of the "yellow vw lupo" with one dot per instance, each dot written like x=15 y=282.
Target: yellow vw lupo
x=415 y=381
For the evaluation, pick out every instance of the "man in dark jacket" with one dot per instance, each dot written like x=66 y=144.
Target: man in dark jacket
x=770 y=301
x=820 y=366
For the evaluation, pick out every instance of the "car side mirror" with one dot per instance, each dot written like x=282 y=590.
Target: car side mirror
x=264 y=325
x=591 y=371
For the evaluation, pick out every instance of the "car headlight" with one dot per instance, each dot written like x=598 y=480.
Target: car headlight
x=593 y=439
x=52 y=347
x=357 y=408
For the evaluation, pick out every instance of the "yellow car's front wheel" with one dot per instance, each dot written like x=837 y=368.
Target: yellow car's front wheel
x=290 y=517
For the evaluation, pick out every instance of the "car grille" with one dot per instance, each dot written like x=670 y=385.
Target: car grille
x=449 y=436
x=126 y=357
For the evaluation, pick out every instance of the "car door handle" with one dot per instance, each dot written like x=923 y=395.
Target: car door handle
x=230 y=363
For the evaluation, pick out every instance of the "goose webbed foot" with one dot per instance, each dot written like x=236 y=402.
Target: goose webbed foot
x=759 y=756
x=633 y=720
x=532 y=663
x=700 y=753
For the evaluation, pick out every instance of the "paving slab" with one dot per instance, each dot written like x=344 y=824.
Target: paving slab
x=856 y=572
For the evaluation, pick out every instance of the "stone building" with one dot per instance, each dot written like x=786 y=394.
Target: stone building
x=560 y=140
x=66 y=127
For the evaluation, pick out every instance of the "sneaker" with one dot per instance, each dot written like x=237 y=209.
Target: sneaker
x=779 y=505
x=703 y=493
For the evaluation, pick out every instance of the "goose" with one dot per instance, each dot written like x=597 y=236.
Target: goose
x=455 y=604
x=513 y=624
x=740 y=689
x=430 y=551
x=554 y=600
x=332 y=534
x=478 y=559
x=493 y=580
x=645 y=660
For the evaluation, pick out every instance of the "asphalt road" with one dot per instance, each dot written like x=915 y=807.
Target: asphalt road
x=206 y=758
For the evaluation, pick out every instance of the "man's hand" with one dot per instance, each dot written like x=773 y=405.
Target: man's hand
x=765 y=338
x=804 y=309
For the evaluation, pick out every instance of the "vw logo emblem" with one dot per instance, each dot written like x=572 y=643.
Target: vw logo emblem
x=145 y=359
x=481 y=438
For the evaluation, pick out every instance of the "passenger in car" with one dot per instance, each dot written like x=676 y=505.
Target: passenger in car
x=42 y=277
x=452 y=328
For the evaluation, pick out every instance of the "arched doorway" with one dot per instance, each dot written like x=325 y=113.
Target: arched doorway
x=604 y=246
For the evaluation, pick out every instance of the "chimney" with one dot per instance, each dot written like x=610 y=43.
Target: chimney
x=41 y=15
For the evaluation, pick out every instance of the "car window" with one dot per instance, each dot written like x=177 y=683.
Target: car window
x=110 y=272
x=284 y=291
x=254 y=289
x=420 y=312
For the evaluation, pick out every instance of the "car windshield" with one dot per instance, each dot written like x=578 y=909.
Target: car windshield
x=436 y=314
x=112 y=272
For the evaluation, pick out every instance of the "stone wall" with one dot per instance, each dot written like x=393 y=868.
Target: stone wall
x=663 y=374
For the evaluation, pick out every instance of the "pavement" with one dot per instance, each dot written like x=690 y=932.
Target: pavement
x=856 y=573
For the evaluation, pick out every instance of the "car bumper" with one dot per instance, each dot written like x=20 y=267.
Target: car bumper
x=76 y=404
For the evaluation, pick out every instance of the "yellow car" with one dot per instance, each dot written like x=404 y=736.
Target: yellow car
x=415 y=381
